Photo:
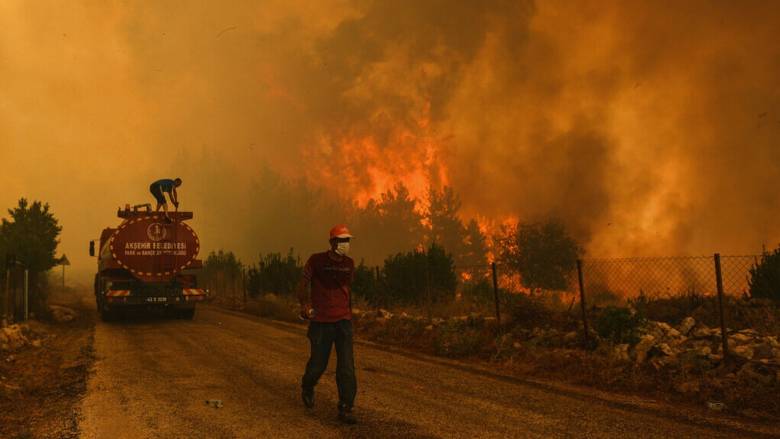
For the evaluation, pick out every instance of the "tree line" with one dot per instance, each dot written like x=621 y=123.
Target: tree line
x=427 y=253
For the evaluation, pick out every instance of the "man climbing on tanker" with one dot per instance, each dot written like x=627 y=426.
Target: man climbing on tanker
x=325 y=298
x=159 y=188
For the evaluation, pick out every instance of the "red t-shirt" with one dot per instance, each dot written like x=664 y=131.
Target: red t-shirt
x=330 y=286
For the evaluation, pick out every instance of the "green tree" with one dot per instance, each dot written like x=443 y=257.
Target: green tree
x=389 y=225
x=764 y=280
x=446 y=228
x=543 y=253
x=30 y=236
x=417 y=277
x=274 y=274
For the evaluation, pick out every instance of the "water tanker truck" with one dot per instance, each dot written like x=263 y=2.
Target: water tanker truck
x=148 y=262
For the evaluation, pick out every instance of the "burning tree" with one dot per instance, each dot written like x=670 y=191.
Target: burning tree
x=542 y=253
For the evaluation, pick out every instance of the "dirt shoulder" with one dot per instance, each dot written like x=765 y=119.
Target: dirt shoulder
x=41 y=383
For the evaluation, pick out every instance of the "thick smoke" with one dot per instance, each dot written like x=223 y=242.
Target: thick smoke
x=651 y=128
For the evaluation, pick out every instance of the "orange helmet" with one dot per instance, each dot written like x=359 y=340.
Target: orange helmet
x=340 y=231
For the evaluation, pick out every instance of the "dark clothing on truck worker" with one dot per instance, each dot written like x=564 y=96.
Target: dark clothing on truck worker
x=162 y=186
x=328 y=308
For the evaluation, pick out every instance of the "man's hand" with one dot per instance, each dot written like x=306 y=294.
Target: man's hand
x=306 y=312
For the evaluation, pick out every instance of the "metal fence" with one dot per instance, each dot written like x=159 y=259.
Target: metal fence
x=713 y=288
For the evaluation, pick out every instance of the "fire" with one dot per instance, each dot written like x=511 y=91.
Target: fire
x=366 y=165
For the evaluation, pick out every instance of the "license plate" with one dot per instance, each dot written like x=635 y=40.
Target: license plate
x=156 y=299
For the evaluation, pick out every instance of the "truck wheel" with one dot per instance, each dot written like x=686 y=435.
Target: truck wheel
x=107 y=314
x=187 y=314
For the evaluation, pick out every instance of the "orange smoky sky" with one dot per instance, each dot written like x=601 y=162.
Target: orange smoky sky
x=650 y=128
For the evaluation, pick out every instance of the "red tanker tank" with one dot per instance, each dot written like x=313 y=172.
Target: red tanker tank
x=148 y=261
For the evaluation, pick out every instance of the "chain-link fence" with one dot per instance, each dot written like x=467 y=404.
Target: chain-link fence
x=714 y=290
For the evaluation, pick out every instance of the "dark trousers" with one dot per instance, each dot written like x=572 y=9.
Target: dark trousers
x=322 y=336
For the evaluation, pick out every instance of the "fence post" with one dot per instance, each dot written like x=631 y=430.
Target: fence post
x=7 y=296
x=26 y=294
x=582 y=301
x=243 y=284
x=495 y=294
x=719 y=284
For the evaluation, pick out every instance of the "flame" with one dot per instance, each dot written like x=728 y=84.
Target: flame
x=363 y=166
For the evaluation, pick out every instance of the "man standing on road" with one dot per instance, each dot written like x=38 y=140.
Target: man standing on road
x=158 y=189
x=329 y=311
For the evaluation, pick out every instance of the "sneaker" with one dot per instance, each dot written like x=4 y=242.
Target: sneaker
x=346 y=416
x=307 y=395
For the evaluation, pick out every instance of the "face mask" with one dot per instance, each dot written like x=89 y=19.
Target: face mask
x=342 y=248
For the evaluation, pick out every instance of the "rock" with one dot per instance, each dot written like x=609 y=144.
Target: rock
x=688 y=387
x=570 y=337
x=763 y=351
x=516 y=345
x=15 y=338
x=686 y=325
x=620 y=352
x=703 y=351
x=36 y=343
x=641 y=348
x=61 y=314
x=744 y=351
x=740 y=338
x=772 y=341
x=385 y=314
x=757 y=373
x=429 y=328
x=702 y=331
x=666 y=349
x=716 y=406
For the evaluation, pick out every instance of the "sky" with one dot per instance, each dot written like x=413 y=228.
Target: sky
x=650 y=127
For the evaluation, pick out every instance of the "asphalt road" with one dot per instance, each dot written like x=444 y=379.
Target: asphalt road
x=152 y=376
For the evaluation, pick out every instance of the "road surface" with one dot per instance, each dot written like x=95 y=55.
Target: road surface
x=152 y=377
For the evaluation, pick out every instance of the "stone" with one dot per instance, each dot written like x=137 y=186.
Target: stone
x=688 y=386
x=763 y=351
x=702 y=331
x=686 y=325
x=429 y=328
x=62 y=314
x=740 y=338
x=36 y=343
x=570 y=337
x=744 y=351
x=516 y=345
x=14 y=336
x=665 y=349
x=385 y=314
x=620 y=352
x=772 y=340
x=641 y=348
x=758 y=373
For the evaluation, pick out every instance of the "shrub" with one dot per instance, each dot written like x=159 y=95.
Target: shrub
x=527 y=311
x=274 y=274
x=366 y=285
x=619 y=325
x=419 y=276
x=764 y=278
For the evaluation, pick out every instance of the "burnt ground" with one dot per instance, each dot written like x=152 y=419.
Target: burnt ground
x=41 y=387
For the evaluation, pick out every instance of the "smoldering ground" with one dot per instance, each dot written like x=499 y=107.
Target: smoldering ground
x=649 y=127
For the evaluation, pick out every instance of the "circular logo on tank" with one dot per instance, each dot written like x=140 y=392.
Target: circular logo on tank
x=153 y=250
x=156 y=232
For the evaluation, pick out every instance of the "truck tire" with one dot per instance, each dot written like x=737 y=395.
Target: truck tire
x=108 y=314
x=187 y=313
